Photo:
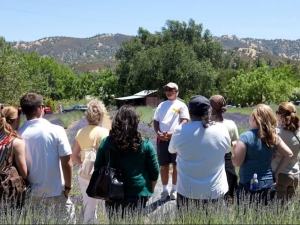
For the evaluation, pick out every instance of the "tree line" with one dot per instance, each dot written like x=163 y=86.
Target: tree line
x=21 y=73
x=181 y=52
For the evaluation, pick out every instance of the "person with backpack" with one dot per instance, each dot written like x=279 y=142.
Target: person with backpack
x=12 y=148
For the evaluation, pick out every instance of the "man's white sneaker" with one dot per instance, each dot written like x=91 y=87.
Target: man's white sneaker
x=173 y=195
x=164 y=196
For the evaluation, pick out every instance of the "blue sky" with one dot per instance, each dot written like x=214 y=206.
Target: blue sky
x=30 y=20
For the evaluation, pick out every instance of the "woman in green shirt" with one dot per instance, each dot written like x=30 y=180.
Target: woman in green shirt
x=135 y=157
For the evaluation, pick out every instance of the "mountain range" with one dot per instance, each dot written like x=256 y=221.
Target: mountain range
x=98 y=52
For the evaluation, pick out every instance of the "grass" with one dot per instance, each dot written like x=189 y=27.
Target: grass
x=248 y=110
x=64 y=119
x=68 y=103
x=68 y=118
x=146 y=114
x=217 y=213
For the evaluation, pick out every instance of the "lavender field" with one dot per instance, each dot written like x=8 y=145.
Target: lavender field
x=218 y=214
x=146 y=130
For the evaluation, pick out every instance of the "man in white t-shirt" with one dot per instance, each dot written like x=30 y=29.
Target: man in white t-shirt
x=48 y=158
x=168 y=115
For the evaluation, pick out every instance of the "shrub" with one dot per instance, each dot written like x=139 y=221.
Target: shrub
x=51 y=103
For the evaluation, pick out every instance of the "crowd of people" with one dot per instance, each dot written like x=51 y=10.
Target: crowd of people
x=195 y=138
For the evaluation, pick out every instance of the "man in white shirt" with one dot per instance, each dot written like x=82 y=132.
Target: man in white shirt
x=48 y=158
x=168 y=115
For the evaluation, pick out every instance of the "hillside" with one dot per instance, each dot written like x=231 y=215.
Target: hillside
x=98 y=52
x=282 y=48
x=69 y=50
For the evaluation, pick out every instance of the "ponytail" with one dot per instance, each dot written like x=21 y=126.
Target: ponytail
x=7 y=116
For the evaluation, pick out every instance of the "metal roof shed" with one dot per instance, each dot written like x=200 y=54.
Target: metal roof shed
x=142 y=98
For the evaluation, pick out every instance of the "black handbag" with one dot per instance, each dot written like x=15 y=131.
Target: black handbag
x=106 y=183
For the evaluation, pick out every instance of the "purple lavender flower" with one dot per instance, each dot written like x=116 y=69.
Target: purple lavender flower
x=48 y=116
x=58 y=122
x=71 y=132
x=241 y=120
x=147 y=132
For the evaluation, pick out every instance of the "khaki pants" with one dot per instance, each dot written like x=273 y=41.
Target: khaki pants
x=58 y=209
x=286 y=186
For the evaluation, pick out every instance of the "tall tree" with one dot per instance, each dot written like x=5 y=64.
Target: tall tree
x=13 y=76
x=179 y=53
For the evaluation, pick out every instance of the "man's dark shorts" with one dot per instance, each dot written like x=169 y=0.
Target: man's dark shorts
x=164 y=156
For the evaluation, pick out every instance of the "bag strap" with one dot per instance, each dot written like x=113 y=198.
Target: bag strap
x=12 y=152
x=95 y=138
x=114 y=156
x=296 y=136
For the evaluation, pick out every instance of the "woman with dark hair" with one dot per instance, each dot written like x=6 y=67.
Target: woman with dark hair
x=201 y=146
x=134 y=156
x=288 y=130
x=253 y=154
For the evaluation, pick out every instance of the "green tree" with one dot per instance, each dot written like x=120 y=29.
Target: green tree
x=179 y=53
x=13 y=76
x=262 y=85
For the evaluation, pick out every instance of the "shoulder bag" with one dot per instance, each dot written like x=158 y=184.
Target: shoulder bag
x=13 y=187
x=106 y=183
x=87 y=167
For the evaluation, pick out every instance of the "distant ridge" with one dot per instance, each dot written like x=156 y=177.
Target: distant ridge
x=70 y=50
x=277 y=47
x=98 y=52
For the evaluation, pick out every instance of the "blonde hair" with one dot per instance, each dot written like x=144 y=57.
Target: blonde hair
x=95 y=112
x=290 y=119
x=7 y=116
x=267 y=123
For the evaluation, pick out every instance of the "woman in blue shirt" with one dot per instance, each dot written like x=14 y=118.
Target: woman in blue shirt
x=253 y=154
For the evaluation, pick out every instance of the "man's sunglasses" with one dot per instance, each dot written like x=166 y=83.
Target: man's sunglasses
x=169 y=89
x=43 y=106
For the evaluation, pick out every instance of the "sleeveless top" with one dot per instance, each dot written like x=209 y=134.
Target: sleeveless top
x=258 y=158
x=5 y=149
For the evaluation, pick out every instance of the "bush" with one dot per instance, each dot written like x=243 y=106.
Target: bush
x=51 y=103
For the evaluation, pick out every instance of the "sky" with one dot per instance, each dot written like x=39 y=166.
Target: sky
x=31 y=20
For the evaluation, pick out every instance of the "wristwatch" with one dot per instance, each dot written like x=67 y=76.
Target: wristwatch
x=68 y=188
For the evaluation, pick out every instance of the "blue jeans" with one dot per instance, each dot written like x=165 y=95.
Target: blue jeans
x=265 y=192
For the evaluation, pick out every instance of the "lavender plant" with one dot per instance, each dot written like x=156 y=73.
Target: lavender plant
x=218 y=213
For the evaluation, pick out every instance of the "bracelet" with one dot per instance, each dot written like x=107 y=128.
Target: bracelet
x=68 y=188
